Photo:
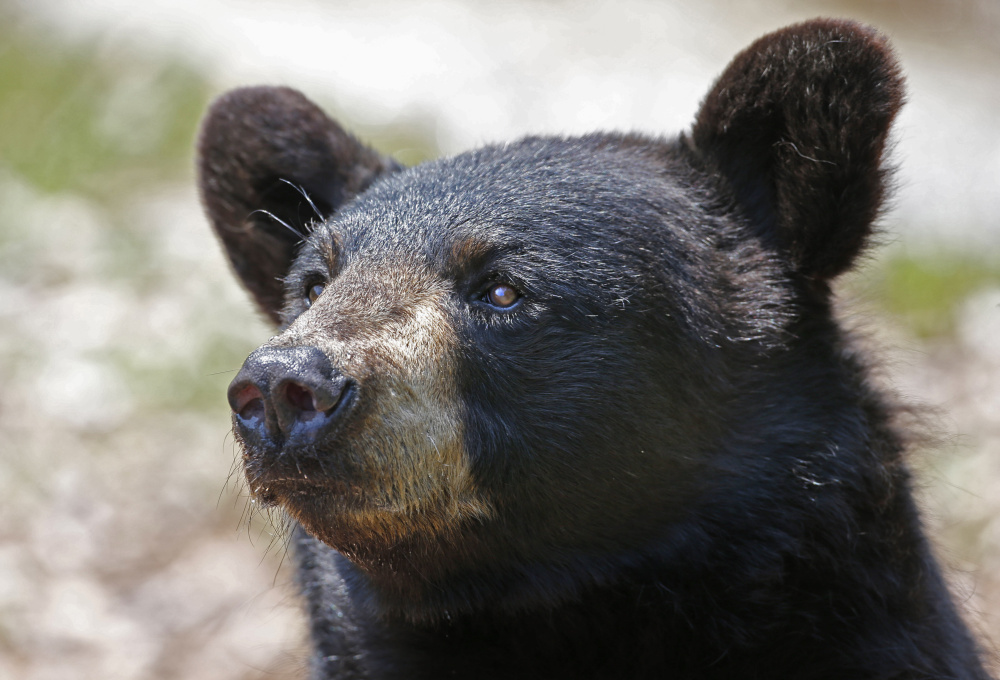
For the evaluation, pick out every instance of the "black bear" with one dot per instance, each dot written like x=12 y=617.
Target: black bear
x=579 y=407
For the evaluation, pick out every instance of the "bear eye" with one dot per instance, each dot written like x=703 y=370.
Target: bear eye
x=313 y=292
x=502 y=295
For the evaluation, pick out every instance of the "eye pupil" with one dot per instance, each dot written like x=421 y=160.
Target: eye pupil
x=503 y=295
x=313 y=293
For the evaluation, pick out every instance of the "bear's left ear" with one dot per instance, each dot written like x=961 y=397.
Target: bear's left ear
x=798 y=124
x=269 y=162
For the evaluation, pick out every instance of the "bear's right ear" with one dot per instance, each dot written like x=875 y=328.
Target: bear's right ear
x=261 y=151
x=797 y=124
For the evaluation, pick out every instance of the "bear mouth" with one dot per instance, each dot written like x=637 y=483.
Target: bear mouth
x=291 y=470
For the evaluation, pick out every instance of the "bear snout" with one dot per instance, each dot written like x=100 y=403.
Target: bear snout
x=288 y=395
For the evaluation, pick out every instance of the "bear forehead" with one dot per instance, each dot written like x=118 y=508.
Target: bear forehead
x=540 y=194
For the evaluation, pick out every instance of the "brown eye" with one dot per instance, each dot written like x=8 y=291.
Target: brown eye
x=313 y=293
x=502 y=295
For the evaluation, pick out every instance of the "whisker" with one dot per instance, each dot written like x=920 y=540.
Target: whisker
x=280 y=221
x=309 y=200
x=231 y=370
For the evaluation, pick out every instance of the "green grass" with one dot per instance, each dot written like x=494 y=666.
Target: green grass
x=925 y=292
x=97 y=119
x=84 y=119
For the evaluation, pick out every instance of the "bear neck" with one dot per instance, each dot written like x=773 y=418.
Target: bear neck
x=776 y=616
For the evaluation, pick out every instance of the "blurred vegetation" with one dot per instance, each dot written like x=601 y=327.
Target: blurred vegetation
x=87 y=118
x=86 y=129
x=87 y=121
x=924 y=291
x=81 y=118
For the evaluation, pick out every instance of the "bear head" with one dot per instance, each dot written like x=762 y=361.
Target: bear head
x=544 y=357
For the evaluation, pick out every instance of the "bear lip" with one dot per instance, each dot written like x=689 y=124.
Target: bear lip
x=300 y=493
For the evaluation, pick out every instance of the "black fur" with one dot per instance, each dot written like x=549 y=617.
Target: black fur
x=685 y=470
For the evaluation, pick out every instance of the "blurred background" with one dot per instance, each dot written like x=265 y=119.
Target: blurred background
x=128 y=548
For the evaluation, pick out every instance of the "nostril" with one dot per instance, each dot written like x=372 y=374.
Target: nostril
x=306 y=404
x=247 y=401
x=300 y=397
x=253 y=410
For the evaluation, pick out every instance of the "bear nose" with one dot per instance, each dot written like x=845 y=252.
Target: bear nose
x=283 y=393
